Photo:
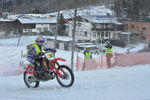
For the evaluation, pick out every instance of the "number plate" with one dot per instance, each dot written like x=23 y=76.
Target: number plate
x=50 y=56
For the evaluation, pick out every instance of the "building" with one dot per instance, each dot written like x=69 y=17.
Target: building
x=6 y=27
x=62 y=43
x=93 y=28
x=139 y=30
x=35 y=26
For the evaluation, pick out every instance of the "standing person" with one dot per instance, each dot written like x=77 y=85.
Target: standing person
x=87 y=55
x=98 y=52
x=109 y=54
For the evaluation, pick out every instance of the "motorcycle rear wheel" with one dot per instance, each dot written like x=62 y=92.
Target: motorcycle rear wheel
x=67 y=76
x=29 y=84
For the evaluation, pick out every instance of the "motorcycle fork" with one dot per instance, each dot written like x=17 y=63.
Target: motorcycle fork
x=52 y=66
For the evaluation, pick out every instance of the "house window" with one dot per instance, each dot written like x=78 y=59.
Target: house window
x=102 y=34
x=102 y=25
x=85 y=33
x=109 y=35
x=53 y=27
x=132 y=26
x=66 y=46
x=79 y=24
x=29 y=26
x=144 y=28
x=126 y=27
x=105 y=26
x=98 y=34
x=98 y=26
x=109 y=26
x=39 y=29
x=57 y=45
x=45 y=29
x=106 y=35
x=94 y=35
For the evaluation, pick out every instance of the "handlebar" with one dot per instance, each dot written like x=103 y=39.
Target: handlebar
x=51 y=50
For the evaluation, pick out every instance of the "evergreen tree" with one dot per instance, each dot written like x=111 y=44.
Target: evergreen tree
x=133 y=9
x=61 y=27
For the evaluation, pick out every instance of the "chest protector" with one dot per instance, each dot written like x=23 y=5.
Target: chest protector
x=38 y=50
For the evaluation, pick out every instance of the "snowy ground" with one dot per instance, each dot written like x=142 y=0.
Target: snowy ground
x=130 y=83
x=126 y=83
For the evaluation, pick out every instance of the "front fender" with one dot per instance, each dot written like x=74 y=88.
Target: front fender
x=59 y=59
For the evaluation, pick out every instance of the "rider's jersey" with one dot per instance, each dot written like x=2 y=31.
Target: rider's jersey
x=35 y=49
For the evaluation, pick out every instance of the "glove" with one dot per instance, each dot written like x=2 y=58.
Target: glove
x=48 y=49
x=53 y=50
x=39 y=56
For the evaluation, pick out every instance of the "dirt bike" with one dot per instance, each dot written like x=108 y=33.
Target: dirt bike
x=49 y=69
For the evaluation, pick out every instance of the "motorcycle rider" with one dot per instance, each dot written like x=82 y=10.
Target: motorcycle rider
x=34 y=53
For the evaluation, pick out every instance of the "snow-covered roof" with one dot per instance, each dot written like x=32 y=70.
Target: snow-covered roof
x=5 y=20
x=118 y=23
x=102 y=19
x=60 y=38
x=128 y=33
x=37 y=21
x=86 y=45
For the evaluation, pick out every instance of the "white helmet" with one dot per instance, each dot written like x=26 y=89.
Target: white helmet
x=108 y=42
x=40 y=40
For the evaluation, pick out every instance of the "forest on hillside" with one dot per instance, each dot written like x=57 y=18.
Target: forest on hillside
x=43 y=6
x=132 y=9
x=129 y=9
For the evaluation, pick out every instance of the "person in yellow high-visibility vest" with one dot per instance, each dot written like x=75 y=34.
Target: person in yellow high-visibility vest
x=109 y=54
x=34 y=53
x=87 y=55
x=98 y=52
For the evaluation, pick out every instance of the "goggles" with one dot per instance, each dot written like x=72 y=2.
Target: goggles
x=42 y=41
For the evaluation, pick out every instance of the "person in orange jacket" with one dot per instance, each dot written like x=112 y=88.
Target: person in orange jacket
x=109 y=54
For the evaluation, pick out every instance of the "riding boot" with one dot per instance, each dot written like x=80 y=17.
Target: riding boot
x=37 y=74
x=37 y=71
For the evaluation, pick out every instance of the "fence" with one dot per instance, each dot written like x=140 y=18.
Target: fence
x=132 y=59
x=128 y=59
x=122 y=60
x=13 y=69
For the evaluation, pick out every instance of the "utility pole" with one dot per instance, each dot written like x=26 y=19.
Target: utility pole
x=73 y=37
x=57 y=25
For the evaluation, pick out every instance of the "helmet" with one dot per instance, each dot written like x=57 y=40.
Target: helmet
x=108 y=42
x=40 y=40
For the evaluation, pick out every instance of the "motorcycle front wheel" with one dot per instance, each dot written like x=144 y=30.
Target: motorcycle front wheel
x=30 y=80
x=67 y=78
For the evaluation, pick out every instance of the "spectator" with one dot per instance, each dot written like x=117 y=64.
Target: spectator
x=109 y=54
x=87 y=55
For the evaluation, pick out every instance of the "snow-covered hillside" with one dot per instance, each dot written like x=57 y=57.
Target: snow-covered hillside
x=91 y=10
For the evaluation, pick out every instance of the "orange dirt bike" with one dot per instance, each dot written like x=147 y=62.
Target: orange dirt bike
x=50 y=68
